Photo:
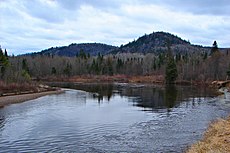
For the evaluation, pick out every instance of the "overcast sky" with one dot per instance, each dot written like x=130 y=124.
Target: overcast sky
x=34 y=25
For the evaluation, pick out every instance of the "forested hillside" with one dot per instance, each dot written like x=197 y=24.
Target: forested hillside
x=156 y=43
x=72 y=50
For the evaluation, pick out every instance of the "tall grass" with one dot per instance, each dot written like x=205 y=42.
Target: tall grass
x=16 y=87
x=216 y=139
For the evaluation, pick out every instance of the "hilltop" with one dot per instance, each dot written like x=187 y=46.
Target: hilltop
x=156 y=42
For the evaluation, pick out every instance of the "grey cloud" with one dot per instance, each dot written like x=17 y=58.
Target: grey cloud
x=45 y=12
x=57 y=14
x=218 y=7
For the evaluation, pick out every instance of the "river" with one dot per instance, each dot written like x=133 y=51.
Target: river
x=110 y=118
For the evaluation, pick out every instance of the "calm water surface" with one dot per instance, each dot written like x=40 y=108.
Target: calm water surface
x=110 y=118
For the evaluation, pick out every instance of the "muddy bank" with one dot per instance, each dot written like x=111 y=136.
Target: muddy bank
x=6 y=100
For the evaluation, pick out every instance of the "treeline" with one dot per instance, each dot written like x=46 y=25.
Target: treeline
x=192 y=66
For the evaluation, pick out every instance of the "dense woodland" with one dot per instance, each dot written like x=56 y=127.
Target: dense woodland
x=190 y=66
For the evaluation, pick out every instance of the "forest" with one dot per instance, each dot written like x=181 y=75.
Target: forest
x=202 y=67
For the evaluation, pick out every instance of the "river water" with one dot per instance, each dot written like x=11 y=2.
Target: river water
x=110 y=118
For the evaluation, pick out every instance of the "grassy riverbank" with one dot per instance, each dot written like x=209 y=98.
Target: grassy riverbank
x=154 y=79
x=216 y=139
x=9 y=89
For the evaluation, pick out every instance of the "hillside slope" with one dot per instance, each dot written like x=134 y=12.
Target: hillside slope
x=156 y=42
x=74 y=49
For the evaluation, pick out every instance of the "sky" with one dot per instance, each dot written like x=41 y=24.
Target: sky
x=33 y=25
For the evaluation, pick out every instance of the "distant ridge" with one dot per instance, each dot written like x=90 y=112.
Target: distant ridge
x=155 y=42
x=74 y=49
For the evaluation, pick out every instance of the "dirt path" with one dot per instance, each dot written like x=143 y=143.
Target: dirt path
x=25 y=97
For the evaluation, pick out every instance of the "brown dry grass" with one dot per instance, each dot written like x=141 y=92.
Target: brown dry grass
x=147 y=79
x=118 y=78
x=98 y=78
x=16 y=87
x=216 y=139
x=7 y=89
x=107 y=78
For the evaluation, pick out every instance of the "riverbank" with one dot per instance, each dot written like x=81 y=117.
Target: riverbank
x=6 y=100
x=105 y=78
x=216 y=139
x=11 y=93
x=153 y=79
x=217 y=136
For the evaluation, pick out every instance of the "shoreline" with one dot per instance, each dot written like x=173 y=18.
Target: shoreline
x=13 y=99
x=215 y=139
x=153 y=79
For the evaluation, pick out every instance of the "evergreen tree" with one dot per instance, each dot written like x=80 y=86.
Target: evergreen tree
x=82 y=54
x=25 y=70
x=214 y=48
x=68 y=69
x=4 y=62
x=205 y=56
x=215 y=56
x=1 y=52
x=109 y=66
x=25 y=65
x=6 y=54
x=53 y=71
x=171 y=69
x=119 y=64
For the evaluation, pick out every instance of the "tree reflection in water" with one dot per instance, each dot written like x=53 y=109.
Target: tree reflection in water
x=170 y=96
x=148 y=97
x=152 y=98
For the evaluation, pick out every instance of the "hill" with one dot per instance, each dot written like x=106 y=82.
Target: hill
x=156 y=42
x=74 y=49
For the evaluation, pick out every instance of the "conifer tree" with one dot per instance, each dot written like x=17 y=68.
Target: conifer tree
x=171 y=69
x=215 y=56
x=4 y=62
x=214 y=48
x=53 y=71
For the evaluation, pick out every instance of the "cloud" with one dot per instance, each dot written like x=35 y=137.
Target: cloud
x=46 y=10
x=202 y=7
x=28 y=26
